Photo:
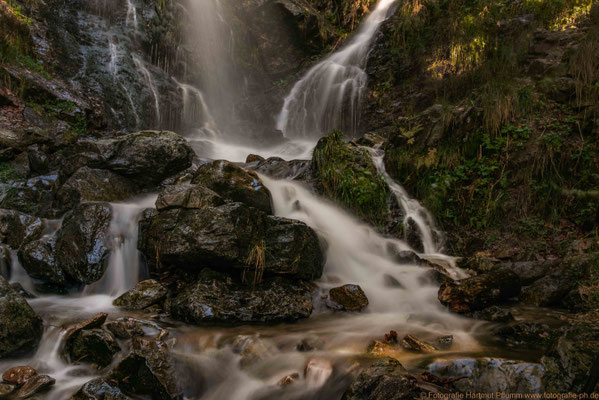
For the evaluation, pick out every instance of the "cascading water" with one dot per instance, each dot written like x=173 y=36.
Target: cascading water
x=328 y=97
x=149 y=79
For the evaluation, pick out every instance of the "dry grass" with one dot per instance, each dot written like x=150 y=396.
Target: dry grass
x=255 y=262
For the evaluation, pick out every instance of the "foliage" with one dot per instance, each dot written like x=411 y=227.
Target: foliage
x=348 y=176
x=6 y=172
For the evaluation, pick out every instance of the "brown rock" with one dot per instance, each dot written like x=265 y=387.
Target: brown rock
x=95 y=321
x=18 y=375
x=350 y=297
x=35 y=384
x=253 y=157
x=412 y=343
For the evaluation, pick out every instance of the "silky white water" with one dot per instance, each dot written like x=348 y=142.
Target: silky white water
x=329 y=95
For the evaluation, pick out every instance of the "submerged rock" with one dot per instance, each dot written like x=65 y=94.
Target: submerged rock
x=217 y=299
x=349 y=297
x=229 y=237
x=20 y=327
x=95 y=346
x=144 y=294
x=412 y=343
x=491 y=375
x=234 y=183
x=480 y=291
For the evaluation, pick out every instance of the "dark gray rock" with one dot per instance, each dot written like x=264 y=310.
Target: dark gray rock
x=93 y=322
x=33 y=196
x=144 y=294
x=88 y=184
x=216 y=299
x=20 y=327
x=187 y=196
x=494 y=314
x=234 y=183
x=127 y=328
x=39 y=260
x=100 y=389
x=17 y=229
x=35 y=384
x=94 y=346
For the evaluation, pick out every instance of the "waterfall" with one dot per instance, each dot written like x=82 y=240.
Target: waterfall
x=329 y=95
x=113 y=68
x=149 y=80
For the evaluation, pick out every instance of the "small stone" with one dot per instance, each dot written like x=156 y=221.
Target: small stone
x=445 y=342
x=162 y=335
x=289 y=379
x=6 y=390
x=35 y=384
x=18 y=375
x=382 y=349
x=412 y=343
x=350 y=297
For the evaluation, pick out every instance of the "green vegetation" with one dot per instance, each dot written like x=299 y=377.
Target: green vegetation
x=6 y=172
x=349 y=177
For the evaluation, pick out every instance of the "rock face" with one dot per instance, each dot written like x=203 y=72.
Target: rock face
x=235 y=183
x=216 y=299
x=491 y=375
x=226 y=236
x=383 y=380
x=95 y=346
x=147 y=157
x=349 y=297
x=88 y=184
x=78 y=254
x=479 y=291
x=144 y=294
x=17 y=229
x=20 y=327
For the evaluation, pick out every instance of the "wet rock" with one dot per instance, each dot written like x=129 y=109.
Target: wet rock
x=144 y=294
x=82 y=242
x=309 y=344
x=480 y=291
x=20 y=327
x=147 y=371
x=525 y=334
x=93 y=322
x=95 y=346
x=253 y=348
x=383 y=380
x=6 y=390
x=253 y=158
x=235 y=183
x=126 y=328
x=17 y=229
x=88 y=184
x=494 y=314
x=19 y=289
x=384 y=349
x=33 y=196
x=39 y=260
x=491 y=375
x=216 y=299
x=571 y=361
x=289 y=379
x=100 y=389
x=147 y=157
x=412 y=343
x=350 y=297
x=35 y=384
x=231 y=236
x=317 y=371
x=187 y=196
x=445 y=342
x=18 y=375
x=277 y=168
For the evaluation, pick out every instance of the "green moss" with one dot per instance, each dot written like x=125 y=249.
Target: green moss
x=6 y=172
x=349 y=177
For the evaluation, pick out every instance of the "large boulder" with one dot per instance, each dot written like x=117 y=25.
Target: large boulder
x=479 y=292
x=17 y=228
x=231 y=236
x=32 y=196
x=147 y=157
x=234 y=183
x=20 y=327
x=216 y=299
x=78 y=254
x=187 y=196
x=88 y=184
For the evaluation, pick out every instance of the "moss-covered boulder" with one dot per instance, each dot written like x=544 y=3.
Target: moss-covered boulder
x=144 y=294
x=20 y=327
x=347 y=175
